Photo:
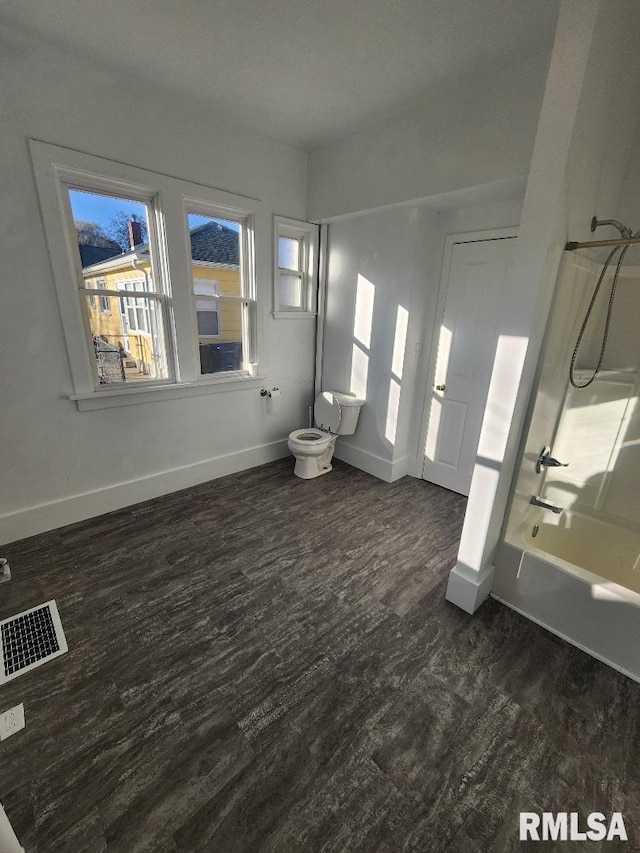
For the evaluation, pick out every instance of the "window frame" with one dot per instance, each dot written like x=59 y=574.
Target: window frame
x=248 y=298
x=308 y=234
x=57 y=169
x=101 y=284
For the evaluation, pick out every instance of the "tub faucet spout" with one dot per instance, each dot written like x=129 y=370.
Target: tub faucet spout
x=537 y=501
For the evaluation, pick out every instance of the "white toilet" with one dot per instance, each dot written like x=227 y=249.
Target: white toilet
x=335 y=414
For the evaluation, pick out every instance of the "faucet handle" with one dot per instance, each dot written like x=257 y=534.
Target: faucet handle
x=553 y=463
x=546 y=460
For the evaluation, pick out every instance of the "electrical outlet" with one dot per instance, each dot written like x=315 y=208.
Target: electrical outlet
x=11 y=721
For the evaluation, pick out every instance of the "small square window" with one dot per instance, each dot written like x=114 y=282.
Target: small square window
x=295 y=267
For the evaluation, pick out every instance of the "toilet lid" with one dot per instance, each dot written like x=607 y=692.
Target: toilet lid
x=327 y=412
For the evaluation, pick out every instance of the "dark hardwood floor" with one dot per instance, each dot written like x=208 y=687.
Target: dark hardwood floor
x=266 y=664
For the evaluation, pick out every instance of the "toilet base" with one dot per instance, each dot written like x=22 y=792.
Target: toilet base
x=309 y=467
x=312 y=464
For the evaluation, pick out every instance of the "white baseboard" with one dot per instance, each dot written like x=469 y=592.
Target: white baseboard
x=383 y=469
x=48 y=516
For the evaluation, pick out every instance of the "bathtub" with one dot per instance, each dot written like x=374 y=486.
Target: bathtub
x=579 y=577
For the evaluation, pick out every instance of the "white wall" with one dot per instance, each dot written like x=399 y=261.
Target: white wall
x=398 y=250
x=478 y=130
x=59 y=464
x=378 y=285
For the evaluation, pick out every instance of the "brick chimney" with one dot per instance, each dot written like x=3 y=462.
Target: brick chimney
x=135 y=231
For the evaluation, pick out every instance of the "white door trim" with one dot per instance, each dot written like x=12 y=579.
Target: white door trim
x=450 y=241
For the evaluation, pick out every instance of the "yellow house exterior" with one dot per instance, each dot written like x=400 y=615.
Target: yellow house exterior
x=132 y=324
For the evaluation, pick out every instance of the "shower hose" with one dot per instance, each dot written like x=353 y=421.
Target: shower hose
x=585 y=322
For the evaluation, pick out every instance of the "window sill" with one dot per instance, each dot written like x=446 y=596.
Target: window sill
x=156 y=393
x=294 y=315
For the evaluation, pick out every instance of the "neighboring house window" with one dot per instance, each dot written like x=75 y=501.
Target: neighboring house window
x=136 y=313
x=207 y=308
x=105 y=306
x=295 y=274
x=170 y=328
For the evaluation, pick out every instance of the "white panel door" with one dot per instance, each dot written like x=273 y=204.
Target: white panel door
x=475 y=280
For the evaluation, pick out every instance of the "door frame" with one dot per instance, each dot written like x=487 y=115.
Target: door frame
x=443 y=282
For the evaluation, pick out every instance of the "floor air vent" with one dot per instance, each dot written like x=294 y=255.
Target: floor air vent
x=29 y=639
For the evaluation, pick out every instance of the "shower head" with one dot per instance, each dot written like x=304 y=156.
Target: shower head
x=624 y=232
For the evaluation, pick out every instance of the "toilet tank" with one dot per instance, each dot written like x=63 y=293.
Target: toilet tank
x=350 y=407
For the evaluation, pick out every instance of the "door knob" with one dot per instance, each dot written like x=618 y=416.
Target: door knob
x=440 y=387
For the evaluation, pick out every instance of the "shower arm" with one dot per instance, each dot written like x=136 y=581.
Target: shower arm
x=627 y=237
x=624 y=231
x=593 y=244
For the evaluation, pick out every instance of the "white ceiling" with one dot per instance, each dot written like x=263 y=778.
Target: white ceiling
x=302 y=71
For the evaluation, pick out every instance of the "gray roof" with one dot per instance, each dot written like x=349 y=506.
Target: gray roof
x=212 y=242
x=215 y=243
x=90 y=255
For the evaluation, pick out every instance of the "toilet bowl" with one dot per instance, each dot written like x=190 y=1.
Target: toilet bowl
x=335 y=414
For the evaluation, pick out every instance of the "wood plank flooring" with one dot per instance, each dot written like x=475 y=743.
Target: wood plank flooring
x=266 y=664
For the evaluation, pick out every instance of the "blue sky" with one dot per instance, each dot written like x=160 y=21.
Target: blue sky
x=93 y=207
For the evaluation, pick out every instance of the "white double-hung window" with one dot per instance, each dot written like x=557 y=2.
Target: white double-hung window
x=295 y=268
x=173 y=264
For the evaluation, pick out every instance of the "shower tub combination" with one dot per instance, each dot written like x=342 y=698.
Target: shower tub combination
x=573 y=564
x=580 y=580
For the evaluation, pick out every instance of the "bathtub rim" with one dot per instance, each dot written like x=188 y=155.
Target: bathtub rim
x=516 y=540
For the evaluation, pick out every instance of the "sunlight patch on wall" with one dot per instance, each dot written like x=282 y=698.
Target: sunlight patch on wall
x=483 y=490
x=393 y=406
x=359 y=372
x=363 y=321
x=399 y=341
x=503 y=389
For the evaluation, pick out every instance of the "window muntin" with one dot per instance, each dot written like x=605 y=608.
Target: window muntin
x=221 y=293
x=295 y=267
